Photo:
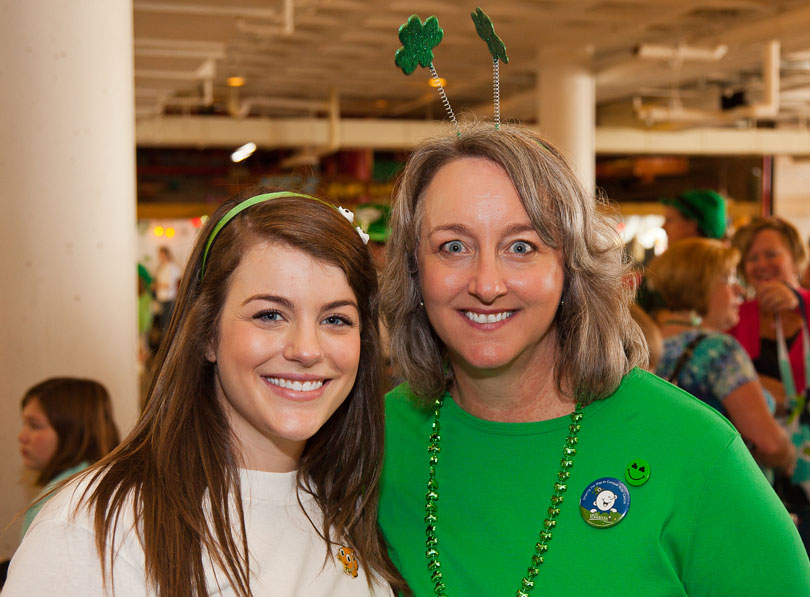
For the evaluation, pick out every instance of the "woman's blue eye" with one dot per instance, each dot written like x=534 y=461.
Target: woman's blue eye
x=337 y=320
x=268 y=316
x=521 y=247
x=453 y=246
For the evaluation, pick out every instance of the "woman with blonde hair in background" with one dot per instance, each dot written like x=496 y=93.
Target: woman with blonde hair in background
x=698 y=282
x=773 y=329
x=773 y=261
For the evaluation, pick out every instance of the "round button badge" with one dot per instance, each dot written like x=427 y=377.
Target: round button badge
x=604 y=502
x=637 y=472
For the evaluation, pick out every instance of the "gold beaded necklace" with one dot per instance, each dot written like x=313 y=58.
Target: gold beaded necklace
x=544 y=536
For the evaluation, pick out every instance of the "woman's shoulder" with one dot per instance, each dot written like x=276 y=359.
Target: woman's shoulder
x=70 y=506
x=402 y=401
x=711 y=345
x=659 y=406
x=66 y=499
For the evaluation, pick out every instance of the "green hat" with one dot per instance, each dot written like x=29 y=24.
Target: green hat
x=143 y=274
x=706 y=207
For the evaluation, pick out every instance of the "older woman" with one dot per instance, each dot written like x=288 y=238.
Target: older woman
x=697 y=279
x=527 y=448
x=773 y=258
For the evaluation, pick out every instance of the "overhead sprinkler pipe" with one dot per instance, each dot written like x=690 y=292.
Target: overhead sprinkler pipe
x=312 y=155
x=206 y=74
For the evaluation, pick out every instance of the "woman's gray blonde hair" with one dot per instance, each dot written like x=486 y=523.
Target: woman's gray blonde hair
x=598 y=341
x=686 y=272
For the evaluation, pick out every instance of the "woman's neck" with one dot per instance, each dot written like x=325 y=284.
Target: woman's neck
x=676 y=322
x=511 y=396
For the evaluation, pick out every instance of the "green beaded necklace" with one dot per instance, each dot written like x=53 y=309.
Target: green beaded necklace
x=541 y=547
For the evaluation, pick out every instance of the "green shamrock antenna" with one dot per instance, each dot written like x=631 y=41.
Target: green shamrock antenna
x=486 y=31
x=418 y=40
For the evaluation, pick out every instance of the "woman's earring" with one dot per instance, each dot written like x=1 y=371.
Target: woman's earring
x=421 y=303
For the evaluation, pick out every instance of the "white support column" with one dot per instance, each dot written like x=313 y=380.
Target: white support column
x=67 y=189
x=567 y=110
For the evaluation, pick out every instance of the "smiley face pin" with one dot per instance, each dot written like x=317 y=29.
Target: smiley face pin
x=637 y=472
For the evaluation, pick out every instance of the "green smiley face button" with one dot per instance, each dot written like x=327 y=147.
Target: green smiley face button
x=637 y=472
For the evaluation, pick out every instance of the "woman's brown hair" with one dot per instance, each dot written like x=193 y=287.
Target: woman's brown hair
x=181 y=452
x=80 y=412
x=598 y=342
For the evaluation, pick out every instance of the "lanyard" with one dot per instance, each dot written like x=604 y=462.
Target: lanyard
x=785 y=372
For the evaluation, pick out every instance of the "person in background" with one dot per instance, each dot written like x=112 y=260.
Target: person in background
x=652 y=335
x=528 y=448
x=67 y=426
x=773 y=330
x=697 y=213
x=253 y=468
x=167 y=281
x=773 y=261
x=144 y=312
x=698 y=281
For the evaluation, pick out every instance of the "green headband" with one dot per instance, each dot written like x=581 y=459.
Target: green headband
x=237 y=209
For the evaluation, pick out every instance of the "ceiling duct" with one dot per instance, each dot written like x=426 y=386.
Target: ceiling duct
x=681 y=53
x=767 y=108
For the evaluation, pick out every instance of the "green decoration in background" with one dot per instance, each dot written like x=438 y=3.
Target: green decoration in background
x=418 y=40
x=486 y=31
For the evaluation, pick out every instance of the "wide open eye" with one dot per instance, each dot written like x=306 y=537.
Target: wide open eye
x=453 y=246
x=521 y=247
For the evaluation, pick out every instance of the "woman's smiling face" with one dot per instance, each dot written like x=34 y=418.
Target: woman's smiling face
x=287 y=352
x=490 y=285
x=769 y=259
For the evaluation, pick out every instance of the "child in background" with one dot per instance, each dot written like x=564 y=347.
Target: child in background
x=67 y=426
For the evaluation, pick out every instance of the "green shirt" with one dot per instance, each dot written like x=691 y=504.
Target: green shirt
x=32 y=511
x=705 y=523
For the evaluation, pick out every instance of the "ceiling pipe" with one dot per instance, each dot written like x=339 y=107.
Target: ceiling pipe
x=311 y=156
x=681 y=52
x=289 y=17
x=206 y=10
x=767 y=108
x=242 y=109
x=206 y=74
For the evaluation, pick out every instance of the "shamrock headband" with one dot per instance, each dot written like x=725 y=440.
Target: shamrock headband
x=418 y=40
x=237 y=209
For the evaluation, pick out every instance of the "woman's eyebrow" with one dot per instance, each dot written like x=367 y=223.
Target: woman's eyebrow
x=458 y=228
x=271 y=298
x=518 y=228
x=339 y=304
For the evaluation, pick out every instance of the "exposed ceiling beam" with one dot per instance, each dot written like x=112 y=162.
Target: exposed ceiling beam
x=267 y=133
x=205 y=9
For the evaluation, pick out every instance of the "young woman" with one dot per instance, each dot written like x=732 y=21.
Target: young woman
x=253 y=469
x=527 y=450
x=67 y=425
